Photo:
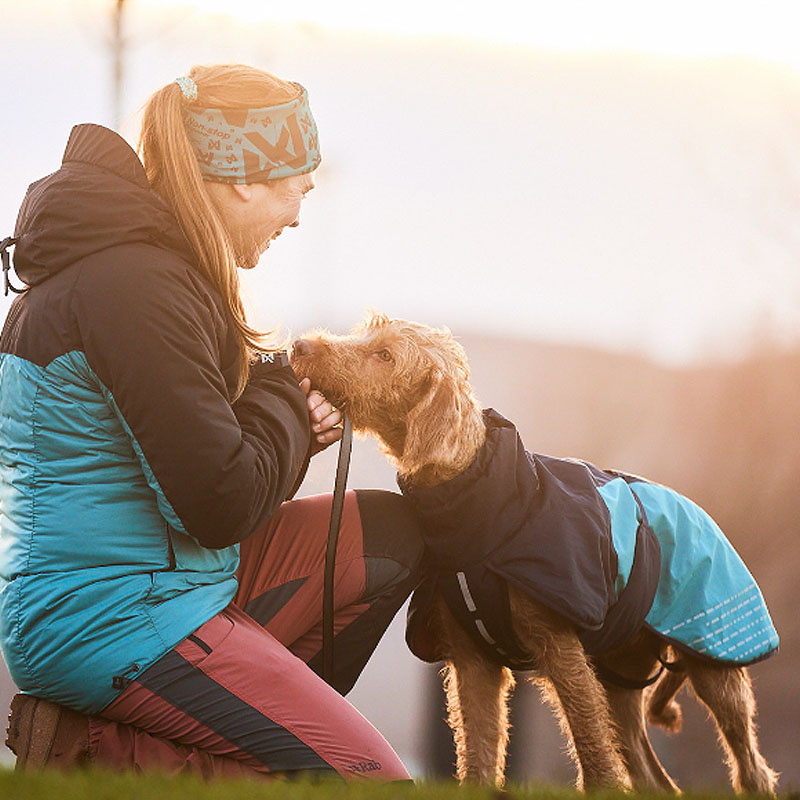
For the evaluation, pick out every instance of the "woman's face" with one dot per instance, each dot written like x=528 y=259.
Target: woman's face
x=257 y=213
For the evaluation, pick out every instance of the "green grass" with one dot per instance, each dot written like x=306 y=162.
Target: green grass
x=93 y=784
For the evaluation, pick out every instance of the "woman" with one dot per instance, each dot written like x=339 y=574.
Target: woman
x=152 y=575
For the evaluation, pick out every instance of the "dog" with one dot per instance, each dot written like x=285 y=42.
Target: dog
x=407 y=385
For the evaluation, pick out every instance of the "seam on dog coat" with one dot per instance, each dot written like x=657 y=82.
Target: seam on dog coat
x=608 y=551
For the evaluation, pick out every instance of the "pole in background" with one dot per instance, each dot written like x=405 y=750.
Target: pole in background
x=118 y=59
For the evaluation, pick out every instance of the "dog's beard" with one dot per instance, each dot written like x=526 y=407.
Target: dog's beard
x=304 y=367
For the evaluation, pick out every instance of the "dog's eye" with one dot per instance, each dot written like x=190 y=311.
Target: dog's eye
x=385 y=355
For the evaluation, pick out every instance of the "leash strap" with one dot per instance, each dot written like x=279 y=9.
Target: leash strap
x=6 y=260
x=340 y=484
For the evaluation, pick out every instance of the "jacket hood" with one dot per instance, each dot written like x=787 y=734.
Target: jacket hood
x=99 y=198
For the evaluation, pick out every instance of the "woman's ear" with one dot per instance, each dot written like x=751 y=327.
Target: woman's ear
x=243 y=190
x=226 y=196
x=433 y=424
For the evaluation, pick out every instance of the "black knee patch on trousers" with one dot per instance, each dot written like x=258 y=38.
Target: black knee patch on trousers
x=393 y=552
x=393 y=545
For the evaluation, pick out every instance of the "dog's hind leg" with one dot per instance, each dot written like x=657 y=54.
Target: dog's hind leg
x=477 y=692
x=727 y=692
x=627 y=711
x=623 y=671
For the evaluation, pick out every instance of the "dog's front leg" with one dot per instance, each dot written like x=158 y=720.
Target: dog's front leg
x=585 y=711
x=574 y=692
x=477 y=692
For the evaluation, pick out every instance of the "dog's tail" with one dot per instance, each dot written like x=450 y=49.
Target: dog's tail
x=662 y=708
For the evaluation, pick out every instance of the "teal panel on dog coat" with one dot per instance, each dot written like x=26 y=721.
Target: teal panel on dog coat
x=706 y=599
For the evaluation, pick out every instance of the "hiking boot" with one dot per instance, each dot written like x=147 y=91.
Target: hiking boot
x=44 y=734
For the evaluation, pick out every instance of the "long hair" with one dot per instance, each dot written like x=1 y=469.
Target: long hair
x=173 y=172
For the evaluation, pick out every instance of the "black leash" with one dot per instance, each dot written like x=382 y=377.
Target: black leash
x=339 y=486
x=6 y=261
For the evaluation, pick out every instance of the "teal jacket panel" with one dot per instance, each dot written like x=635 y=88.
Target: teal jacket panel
x=95 y=583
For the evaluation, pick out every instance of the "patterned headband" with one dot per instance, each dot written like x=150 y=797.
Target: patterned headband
x=254 y=145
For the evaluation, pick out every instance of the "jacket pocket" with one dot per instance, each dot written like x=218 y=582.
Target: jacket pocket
x=202 y=643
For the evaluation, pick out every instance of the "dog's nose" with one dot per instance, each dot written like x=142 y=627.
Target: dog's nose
x=302 y=347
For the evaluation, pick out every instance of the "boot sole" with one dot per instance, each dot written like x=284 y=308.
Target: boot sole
x=31 y=733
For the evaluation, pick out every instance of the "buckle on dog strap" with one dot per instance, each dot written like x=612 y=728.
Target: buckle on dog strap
x=672 y=666
x=609 y=676
x=6 y=259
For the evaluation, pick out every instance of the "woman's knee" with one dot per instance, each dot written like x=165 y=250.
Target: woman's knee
x=393 y=546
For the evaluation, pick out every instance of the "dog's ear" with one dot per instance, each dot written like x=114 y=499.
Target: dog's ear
x=432 y=425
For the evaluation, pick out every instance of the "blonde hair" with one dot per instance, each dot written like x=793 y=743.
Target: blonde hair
x=173 y=172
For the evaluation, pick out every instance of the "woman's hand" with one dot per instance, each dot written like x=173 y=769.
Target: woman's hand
x=324 y=418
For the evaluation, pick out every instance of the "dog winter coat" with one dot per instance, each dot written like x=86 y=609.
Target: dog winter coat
x=608 y=551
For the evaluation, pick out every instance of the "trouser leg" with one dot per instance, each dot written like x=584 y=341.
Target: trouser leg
x=252 y=698
x=232 y=690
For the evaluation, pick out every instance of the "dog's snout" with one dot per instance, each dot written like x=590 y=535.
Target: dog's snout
x=302 y=347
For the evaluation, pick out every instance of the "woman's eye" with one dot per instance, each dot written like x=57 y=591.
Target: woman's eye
x=385 y=355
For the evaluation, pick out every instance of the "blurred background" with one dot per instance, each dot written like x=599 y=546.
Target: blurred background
x=601 y=198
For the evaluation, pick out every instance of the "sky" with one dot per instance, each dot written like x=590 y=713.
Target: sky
x=621 y=174
x=678 y=27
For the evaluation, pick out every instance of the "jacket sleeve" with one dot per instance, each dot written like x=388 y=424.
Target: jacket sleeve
x=155 y=336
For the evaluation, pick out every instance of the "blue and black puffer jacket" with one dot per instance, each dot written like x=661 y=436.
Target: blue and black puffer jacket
x=127 y=475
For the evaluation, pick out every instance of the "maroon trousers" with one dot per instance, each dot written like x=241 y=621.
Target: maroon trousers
x=241 y=695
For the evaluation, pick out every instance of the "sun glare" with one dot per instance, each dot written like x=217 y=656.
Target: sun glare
x=691 y=28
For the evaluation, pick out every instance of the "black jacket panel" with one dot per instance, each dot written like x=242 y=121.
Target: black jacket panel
x=113 y=277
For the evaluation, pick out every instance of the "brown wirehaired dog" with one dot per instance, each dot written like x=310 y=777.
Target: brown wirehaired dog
x=408 y=386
